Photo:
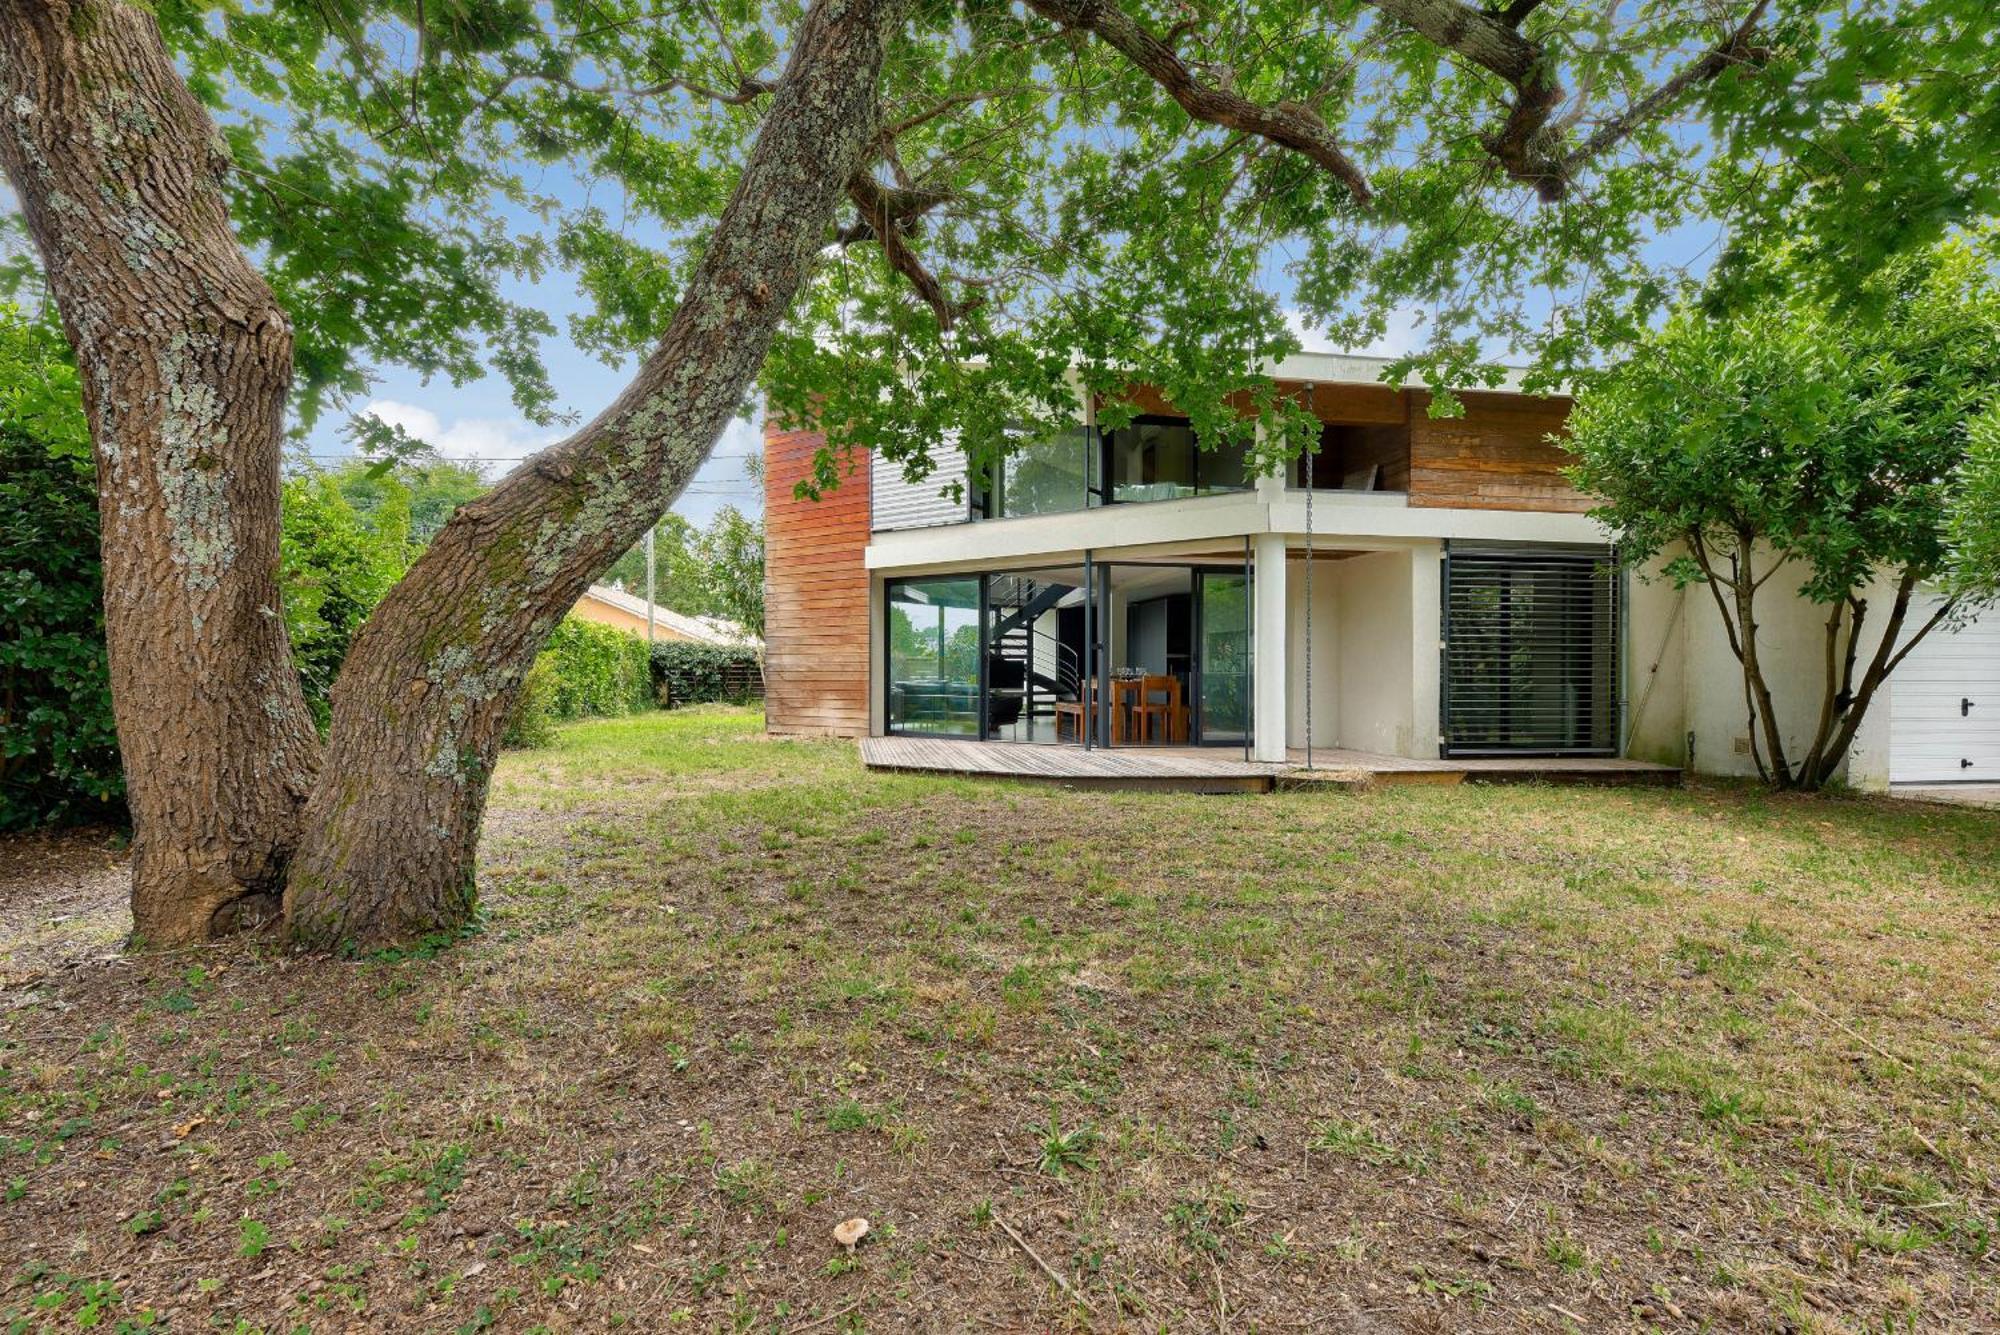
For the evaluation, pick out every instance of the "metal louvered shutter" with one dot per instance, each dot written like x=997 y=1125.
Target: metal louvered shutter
x=1530 y=651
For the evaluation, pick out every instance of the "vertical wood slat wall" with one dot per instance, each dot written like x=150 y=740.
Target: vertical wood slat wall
x=815 y=593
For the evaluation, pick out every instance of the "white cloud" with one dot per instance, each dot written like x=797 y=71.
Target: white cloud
x=497 y=440
x=1406 y=331
x=740 y=440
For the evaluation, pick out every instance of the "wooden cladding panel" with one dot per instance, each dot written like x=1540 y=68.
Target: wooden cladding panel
x=815 y=593
x=1495 y=457
x=1377 y=405
x=1360 y=404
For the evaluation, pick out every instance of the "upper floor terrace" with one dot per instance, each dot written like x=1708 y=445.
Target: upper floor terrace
x=1382 y=466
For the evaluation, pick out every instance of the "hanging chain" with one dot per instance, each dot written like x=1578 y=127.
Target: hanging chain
x=1312 y=449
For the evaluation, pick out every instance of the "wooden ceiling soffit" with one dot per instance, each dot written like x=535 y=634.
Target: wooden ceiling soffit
x=1361 y=405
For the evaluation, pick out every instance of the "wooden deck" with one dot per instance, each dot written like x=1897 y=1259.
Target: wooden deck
x=1217 y=770
x=1185 y=769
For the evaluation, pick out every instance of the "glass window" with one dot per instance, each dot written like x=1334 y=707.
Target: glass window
x=1152 y=461
x=1158 y=459
x=934 y=656
x=1046 y=477
x=1223 y=468
x=1225 y=646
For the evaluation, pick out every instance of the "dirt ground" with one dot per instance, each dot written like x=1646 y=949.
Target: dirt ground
x=1430 y=1060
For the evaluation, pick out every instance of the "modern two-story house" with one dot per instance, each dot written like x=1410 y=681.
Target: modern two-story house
x=1419 y=588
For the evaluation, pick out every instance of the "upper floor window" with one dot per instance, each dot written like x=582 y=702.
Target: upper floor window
x=1159 y=459
x=1153 y=459
x=1358 y=457
x=1052 y=476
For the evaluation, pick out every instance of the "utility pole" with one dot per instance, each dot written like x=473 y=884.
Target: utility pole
x=649 y=587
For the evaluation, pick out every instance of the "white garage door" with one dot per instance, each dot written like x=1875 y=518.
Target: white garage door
x=1945 y=704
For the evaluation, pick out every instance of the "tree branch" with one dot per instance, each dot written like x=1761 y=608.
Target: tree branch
x=886 y=213
x=746 y=91
x=1485 y=39
x=1293 y=125
x=1734 y=50
x=955 y=101
x=1522 y=144
x=1526 y=144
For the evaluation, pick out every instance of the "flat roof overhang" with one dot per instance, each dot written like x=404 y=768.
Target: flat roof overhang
x=1206 y=525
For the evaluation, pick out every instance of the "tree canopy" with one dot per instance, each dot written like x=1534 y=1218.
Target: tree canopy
x=1136 y=189
x=1790 y=444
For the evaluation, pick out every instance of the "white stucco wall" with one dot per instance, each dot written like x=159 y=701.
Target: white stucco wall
x=1374 y=638
x=1325 y=653
x=1426 y=646
x=1791 y=644
x=1655 y=668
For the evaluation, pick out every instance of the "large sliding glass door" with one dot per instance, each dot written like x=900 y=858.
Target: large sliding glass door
x=1222 y=655
x=934 y=656
x=1113 y=654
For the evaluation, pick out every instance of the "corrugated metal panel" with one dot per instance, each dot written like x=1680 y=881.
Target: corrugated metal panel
x=1531 y=651
x=926 y=504
x=1944 y=717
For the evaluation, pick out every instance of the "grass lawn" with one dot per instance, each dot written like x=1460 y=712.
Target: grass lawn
x=1479 y=1058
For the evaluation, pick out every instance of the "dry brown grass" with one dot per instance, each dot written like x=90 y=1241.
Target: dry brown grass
x=1429 y=1059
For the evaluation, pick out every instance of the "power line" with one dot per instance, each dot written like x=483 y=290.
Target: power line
x=748 y=487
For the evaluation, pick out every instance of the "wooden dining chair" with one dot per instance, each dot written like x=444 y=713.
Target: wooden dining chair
x=1159 y=701
x=1077 y=710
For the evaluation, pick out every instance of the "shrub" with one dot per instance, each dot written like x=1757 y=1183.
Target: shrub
x=58 y=743
x=690 y=674
x=586 y=670
x=532 y=723
x=333 y=567
x=599 y=672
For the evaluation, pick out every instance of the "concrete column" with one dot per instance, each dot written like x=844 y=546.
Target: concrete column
x=1270 y=487
x=1426 y=646
x=1268 y=653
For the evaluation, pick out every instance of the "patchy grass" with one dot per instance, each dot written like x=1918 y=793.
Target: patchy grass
x=1438 y=1059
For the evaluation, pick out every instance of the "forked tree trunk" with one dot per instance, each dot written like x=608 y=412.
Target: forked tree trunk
x=418 y=709
x=186 y=360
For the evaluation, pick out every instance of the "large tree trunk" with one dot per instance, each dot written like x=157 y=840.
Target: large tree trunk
x=418 y=709
x=186 y=361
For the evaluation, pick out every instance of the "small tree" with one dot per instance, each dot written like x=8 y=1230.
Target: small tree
x=1975 y=513
x=731 y=548
x=1824 y=445
x=713 y=571
x=333 y=568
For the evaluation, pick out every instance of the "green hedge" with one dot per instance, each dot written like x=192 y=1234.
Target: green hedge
x=600 y=672
x=692 y=674
x=58 y=745
x=586 y=670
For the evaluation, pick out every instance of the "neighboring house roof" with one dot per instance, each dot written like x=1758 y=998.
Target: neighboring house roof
x=702 y=629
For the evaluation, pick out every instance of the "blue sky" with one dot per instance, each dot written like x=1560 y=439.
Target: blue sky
x=478 y=422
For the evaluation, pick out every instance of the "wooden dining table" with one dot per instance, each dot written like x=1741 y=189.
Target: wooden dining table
x=1127 y=693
